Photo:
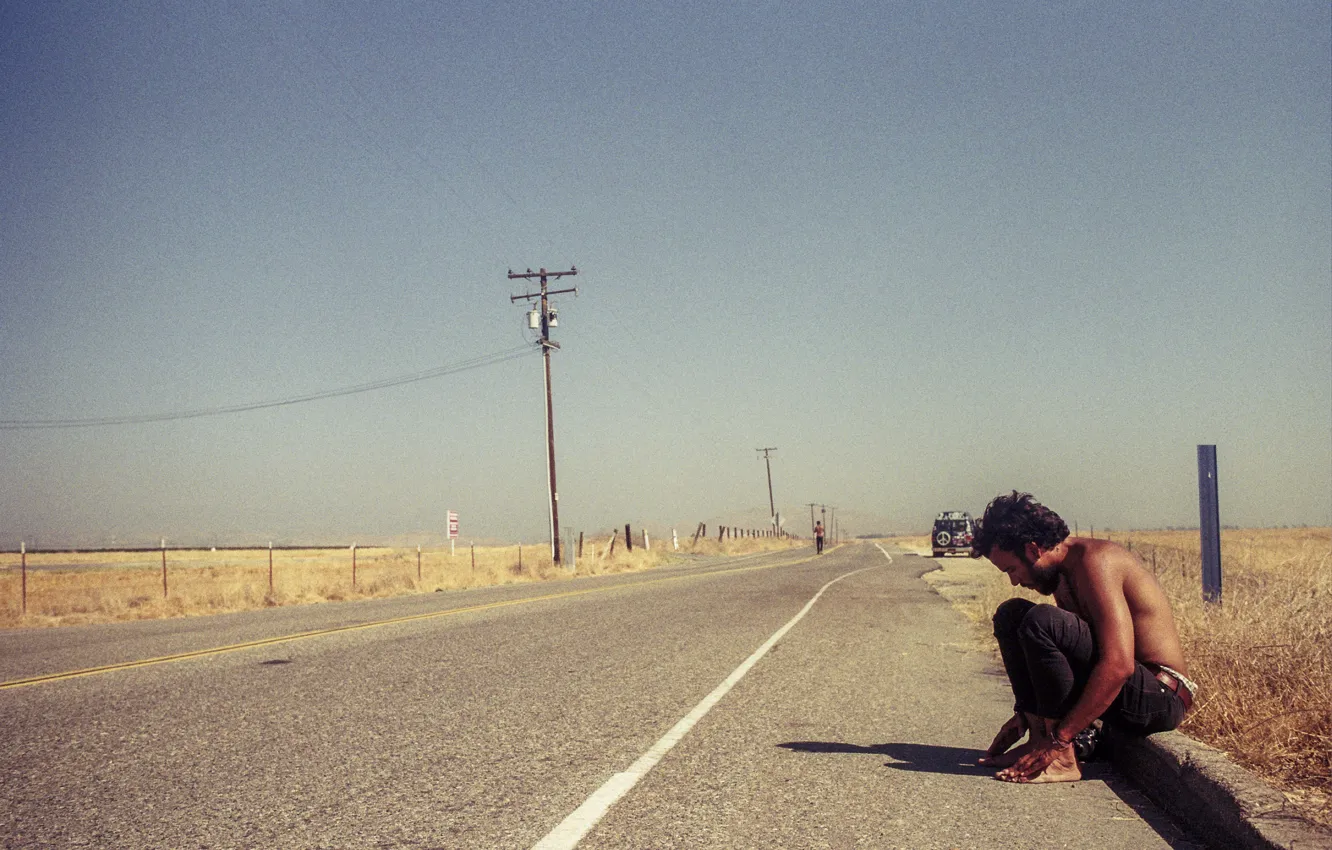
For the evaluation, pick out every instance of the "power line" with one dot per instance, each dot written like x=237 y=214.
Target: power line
x=138 y=419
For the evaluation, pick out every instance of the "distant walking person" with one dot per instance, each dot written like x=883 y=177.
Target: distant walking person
x=818 y=537
x=1107 y=649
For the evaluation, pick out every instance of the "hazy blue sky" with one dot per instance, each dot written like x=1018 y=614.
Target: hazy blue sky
x=930 y=251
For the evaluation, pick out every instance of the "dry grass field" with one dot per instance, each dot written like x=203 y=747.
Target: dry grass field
x=98 y=587
x=1262 y=657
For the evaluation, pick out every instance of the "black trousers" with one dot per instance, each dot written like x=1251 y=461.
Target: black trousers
x=818 y=544
x=1049 y=653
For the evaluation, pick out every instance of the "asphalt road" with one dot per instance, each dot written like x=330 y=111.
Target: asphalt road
x=503 y=717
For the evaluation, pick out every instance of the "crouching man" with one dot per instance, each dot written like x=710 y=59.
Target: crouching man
x=1109 y=650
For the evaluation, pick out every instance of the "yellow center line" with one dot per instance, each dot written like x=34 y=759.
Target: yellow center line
x=235 y=647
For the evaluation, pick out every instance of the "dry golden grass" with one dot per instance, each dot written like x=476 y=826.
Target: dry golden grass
x=1262 y=657
x=99 y=587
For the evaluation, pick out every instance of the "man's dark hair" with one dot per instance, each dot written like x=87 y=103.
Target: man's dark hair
x=1013 y=521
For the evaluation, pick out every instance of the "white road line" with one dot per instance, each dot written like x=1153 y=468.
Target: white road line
x=572 y=829
x=885 y=552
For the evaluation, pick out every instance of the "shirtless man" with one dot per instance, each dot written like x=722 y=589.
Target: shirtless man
x=1109 y=650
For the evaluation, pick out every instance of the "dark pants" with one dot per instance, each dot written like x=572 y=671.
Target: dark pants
x=1049 y=653
x=818 y=544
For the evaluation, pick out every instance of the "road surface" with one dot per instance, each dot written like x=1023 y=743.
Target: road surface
x=774 y=701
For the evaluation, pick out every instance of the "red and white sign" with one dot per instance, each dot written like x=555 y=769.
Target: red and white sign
x=453 y=524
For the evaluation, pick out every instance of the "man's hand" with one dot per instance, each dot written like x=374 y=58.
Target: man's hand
x=1009 y=734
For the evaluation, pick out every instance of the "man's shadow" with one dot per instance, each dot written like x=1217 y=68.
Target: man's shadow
x=958 y=761
x=918 y=757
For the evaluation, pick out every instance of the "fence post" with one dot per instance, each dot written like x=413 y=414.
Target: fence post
x=270 y=567
x=580 y=544
x=647 y=543
x=164 y=580
x=520 y=557
x=628 y=539
x=353 y=565
x=1209 y=526
x=473 y=557
x=610 y=547
x=675 y=541
x=418 y=562
x=23 y=549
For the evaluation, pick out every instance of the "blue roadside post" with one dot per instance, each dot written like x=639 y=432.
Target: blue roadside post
x=1209 y=524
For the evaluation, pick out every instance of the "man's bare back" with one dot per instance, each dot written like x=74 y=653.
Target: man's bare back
x=1091 y=561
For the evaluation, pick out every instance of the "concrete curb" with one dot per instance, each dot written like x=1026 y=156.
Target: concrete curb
x=1199 y=786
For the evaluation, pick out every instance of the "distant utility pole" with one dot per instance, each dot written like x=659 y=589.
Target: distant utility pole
x=832 y=531
x=542 y=319
x=772 y=510
x=811 y=517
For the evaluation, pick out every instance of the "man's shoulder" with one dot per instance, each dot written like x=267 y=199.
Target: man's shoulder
x=1101 y=559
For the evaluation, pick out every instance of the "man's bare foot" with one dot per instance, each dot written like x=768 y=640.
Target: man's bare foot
x=1044 y=759
x=1063 y=769
x=1060 y=770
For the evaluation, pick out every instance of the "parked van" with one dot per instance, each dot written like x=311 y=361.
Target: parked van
x=953 y=532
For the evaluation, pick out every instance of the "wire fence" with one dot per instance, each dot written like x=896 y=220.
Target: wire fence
x=59 y=587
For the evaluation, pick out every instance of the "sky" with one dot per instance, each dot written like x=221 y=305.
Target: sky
x=930 y=252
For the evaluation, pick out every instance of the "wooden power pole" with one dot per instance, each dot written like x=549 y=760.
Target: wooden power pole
x=543 y=322
x=772 y=510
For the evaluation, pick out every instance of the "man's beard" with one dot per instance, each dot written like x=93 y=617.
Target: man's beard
x=1045 y=579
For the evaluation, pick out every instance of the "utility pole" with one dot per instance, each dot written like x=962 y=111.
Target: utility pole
x=772 y=510
x=543 y=322
x=811 y=517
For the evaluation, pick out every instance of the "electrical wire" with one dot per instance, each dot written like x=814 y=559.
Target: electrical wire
x=137 y=419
